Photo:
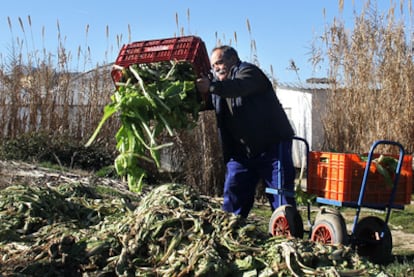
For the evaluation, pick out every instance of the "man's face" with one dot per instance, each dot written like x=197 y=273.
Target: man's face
x=221 y=66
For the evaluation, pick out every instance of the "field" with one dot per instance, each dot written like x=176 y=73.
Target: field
x=94 y=260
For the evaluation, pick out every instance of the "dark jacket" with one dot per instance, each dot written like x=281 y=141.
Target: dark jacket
x=249 y=115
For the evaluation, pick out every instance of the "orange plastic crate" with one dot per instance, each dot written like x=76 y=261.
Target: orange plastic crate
x=187 y=48
x=338 y=176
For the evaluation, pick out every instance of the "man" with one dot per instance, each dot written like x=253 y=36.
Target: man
x=254 y=131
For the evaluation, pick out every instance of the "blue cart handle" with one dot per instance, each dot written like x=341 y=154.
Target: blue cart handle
x=365 y=177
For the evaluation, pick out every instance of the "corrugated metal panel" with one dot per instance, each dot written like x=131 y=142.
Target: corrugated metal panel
x=304 y=86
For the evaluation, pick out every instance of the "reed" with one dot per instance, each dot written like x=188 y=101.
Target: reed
x=44 y=91
x=372 y=95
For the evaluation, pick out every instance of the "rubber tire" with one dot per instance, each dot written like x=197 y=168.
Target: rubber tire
x=369 y=244
x=329 y=228
x=286 y=221
x=327 y=210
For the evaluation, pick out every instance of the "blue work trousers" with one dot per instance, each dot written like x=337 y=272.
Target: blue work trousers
x=243 y=175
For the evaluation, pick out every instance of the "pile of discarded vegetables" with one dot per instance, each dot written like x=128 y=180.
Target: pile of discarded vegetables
x=73 y=229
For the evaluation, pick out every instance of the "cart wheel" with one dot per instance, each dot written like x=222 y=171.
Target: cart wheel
x=286 y=221
x=369 y=242
x=329 y=228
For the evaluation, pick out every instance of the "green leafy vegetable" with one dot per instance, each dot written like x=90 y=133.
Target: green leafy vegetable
x=152 y=98
x=386 y=166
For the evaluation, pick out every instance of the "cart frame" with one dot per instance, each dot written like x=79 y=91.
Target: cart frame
x=370 y=236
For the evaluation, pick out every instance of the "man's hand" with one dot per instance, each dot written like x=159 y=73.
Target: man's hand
x=203 y=85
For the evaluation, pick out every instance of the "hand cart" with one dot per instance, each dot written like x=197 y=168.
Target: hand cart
x=335 y=179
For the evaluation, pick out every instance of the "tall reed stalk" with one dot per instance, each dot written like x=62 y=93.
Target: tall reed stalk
x=373 y=94
x=41 y=90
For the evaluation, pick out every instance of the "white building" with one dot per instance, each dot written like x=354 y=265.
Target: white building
x=305 y=106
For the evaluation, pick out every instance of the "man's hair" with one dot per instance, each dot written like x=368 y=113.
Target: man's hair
x=228 y=52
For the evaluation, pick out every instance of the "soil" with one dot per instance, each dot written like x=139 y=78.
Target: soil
x=12 y=173
x=403 y=242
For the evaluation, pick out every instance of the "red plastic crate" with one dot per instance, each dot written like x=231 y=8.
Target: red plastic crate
x=187 y=48
x=338 y=176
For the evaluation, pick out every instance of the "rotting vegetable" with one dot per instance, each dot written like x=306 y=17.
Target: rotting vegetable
x=82 y=230
x=152 y=98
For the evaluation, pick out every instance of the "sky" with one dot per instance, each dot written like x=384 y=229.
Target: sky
x=283 y=31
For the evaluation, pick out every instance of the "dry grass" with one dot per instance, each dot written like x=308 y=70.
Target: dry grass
x=39 y=91
x=372 y=98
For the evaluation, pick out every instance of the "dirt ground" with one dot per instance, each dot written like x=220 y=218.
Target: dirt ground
x=12 y=173
x=403 y=242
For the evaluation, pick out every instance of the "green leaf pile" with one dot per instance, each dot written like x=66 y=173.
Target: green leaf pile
x=153 y=98
x=83 y=230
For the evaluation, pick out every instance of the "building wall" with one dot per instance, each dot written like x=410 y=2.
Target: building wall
x=305 y=109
